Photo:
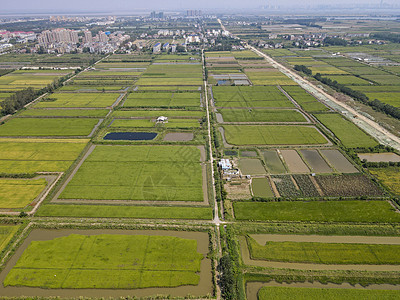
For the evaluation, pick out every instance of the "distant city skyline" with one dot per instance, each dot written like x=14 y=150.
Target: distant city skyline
x=75 y=6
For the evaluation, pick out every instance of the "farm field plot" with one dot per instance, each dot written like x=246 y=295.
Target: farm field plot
x=390 y=177
x=349 y=80
x=30 y=78
x=156 y=173
x=124 y=211
x=172 y=123
x=38 y=155
x=172 y=74
x=279 y=52
x=281 y=293
x=324 y=253
x=91 y=88
x=94 y=261
x=294 y=161
x=95 y=113
x=304 y=99
x=6 y=233
x=286 y=186
x=261 y=115
x=272 y=77
x=377 y=88
x=338 y=161
x=272 y=135
x=384 y=79
x=315 y=161
x=252 y=96
x=48 y=127
x=347 y=185
x=163 y=99
x=392 y=98
x=379 y=157
x=171 y=88
x=319 y=211
x=364 y=70
x=156 y=113
x=18 y=193
x=273 y=162
x=251 y=166
x=349 y=134
x=295 y=186
x=327 y=70
x=63 y=100
x=261 y=188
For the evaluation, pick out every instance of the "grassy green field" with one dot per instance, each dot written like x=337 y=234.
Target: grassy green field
x=172 y=74
x=389 y=176
x=156 y=113
x=250 y=96
x=324 y=253
x=63 y=100
x=304 y=99
x=271 y=77
x=348 y=80
x=391 y=98
x=135 y=212
x=91 y=88
x=38 y=155
x=349 y=134
x=272 y=135
x=283 y=293
x=6 y=233
x=261 y=115
x=388 y=79
x=18 y=193
x=333 y=211
x=48 y=127
x=162 y=173
x=96 y=113
x=261 y=188
x=163 y=99
x=80 y=261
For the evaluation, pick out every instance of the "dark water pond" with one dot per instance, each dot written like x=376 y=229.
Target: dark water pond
x=131 y=136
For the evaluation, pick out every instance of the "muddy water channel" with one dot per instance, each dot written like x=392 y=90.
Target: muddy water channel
x=203 y=288
x=252 y=288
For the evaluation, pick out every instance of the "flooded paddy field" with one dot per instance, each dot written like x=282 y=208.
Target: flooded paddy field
x=273 y=162
x=179 y=136
x=315 y=161
x=338 y=161
x=181 y=239
x=251 y=166
x=130 y=136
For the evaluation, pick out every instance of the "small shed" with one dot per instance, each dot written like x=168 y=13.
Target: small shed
x=162 y=119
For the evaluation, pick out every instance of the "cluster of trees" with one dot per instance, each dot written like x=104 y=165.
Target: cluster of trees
x=332 y=41
x=392 y=37
x=18 y=100
x=304 y=69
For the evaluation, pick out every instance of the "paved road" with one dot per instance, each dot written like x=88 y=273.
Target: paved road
x=370 y=126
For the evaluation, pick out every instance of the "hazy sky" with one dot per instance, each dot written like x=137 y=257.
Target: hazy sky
x=134 y=5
